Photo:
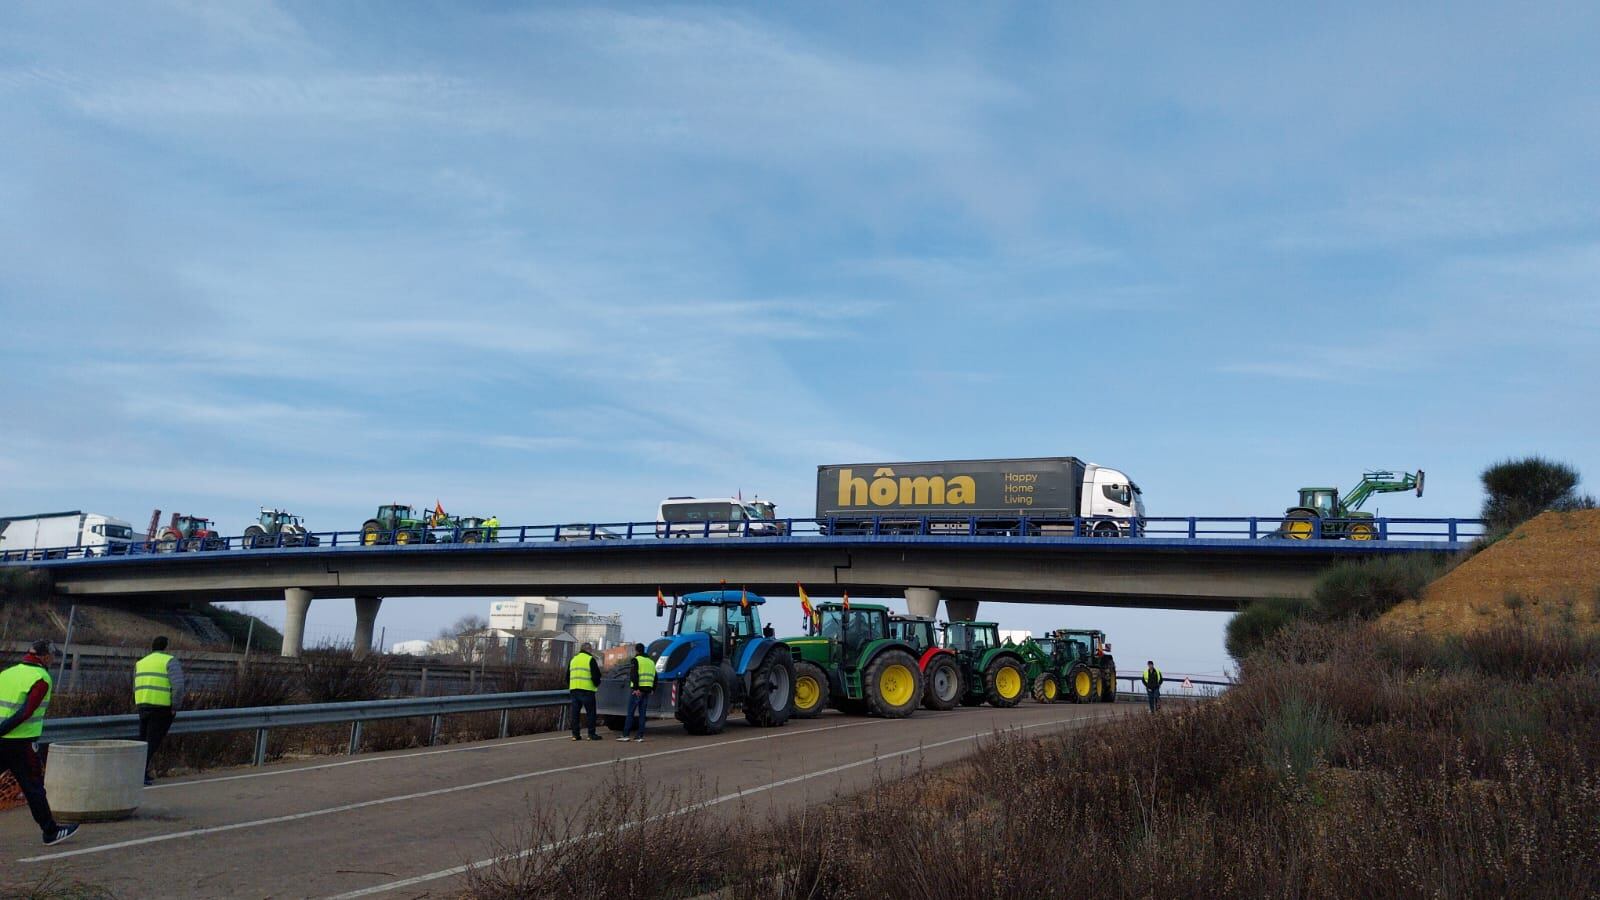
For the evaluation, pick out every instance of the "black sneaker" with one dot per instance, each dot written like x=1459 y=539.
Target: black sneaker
x=577 y=737
x=61 y=833
x=594 y=737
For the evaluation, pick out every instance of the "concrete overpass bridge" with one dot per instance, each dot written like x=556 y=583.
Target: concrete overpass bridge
x=1195 y=564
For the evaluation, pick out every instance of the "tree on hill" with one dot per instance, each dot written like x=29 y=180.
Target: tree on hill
x=1519 y=489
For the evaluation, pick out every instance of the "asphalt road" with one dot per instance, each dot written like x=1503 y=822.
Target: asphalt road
x=403 y=824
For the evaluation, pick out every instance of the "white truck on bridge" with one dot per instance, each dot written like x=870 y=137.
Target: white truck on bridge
x=95 y=534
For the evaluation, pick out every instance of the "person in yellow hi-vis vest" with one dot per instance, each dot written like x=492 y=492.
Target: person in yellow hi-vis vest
x=157 y=694
x=642 y=678
x=583 y=679
x=24 y=697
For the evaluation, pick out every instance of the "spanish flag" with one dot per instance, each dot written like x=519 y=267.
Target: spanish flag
x=744 y=599
x=438 y=513
x=846 y=601
x=805 y=601
x=661 y=600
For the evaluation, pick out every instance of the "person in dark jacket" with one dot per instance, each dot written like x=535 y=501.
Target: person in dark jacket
x=642 y=678
x=1152 y=683
x=583 y=679
x=24 y=696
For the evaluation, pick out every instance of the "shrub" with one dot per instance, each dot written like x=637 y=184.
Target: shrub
x=1370 y=587
x=25 y=585
x=1519 y=489
x=1261 y=619
x=331 y=673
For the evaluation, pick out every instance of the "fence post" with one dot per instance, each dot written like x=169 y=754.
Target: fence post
x=422 y=691
x=1192 y=532
x=505 y=722
x=261 y=747
x=1252 y=528
x=355 y=738
x=1452 y=531
x=433 y=732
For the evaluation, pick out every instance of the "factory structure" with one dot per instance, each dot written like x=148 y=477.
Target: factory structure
x=528 y=629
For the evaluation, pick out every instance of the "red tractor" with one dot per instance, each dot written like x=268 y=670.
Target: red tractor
x=941 y=669
x=189 y=533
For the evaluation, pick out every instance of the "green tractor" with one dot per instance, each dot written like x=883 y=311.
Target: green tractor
x=854 y=664
x=1322 y=512
x=941 y=670
x=992 y=672
x=1047 y=668
x=395 y=523
x=1088 y=673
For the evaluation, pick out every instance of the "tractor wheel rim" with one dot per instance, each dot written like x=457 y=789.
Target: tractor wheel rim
x=1361 y=532
x=1083 y=684
x=896 y=685
x=1007 y=682
x=806 y=692
x=778 y=699
x=1298 y=529
x=715 y=705
x=944 y=683
x=1049 y=689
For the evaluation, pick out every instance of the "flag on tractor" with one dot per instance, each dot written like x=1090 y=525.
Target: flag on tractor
x=744 y=599
x=661 y=599
x=805 y=601
x=846 y=601
x=438 y=512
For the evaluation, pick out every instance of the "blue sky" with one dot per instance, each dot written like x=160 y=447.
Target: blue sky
x=556 y=262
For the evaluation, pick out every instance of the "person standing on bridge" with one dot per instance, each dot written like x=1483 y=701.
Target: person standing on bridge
x=24 y=697
x=157 y=693
x=1152 y=683
x=583 y=678
x=642 y=671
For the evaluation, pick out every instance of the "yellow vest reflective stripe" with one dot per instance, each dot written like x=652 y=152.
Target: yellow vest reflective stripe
x=579 y=678
x=647 y=671
x=15 y=683
x=151 y=686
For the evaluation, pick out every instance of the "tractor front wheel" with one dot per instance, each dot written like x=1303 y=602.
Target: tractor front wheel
x=471 y=537
x=1046 y=689
x=810 y=690
x=167 y=542
x=770 y=700
x=1080 y=684
x=404 y=537
x=942 y=687
x=1002 y=683
x=1108 y=683
x=892 y=684
x=703 y=701
x=1362 y=531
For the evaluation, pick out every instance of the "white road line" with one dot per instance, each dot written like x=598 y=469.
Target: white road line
x=354 y=762
x=419 y=795
x=746 y=792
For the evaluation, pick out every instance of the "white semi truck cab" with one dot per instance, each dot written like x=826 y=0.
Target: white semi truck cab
x=72 y=532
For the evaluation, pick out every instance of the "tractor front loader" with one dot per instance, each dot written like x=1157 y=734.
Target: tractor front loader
x=1323 y=513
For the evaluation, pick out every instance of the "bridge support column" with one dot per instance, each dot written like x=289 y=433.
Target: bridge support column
x=922 y=602
x=366 y=618
x=961 y=610
x=297 y=602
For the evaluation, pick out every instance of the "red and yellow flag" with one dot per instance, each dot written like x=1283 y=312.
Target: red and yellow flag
x=438 y=512
x=846 y=601
x=744 y=599
x=805 y=601
x=661 y=599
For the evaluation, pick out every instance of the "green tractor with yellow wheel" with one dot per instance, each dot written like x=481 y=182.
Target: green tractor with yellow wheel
x=1322 y=513
x=852 y=662
x=395 y=523
x=1090 y=672
x=993 y=673
x=1047 y=668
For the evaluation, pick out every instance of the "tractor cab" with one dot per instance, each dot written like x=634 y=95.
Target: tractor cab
x=394 y=512
x=193 y=526
x=853 y=627
x=1081 y=645
x=972 y=638
x=723 y=617
x=1325 y=500
x=276 y=519
x=914 y=631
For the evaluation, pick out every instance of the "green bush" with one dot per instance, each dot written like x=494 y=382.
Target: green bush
x=1368 y=588
x=1519 y=489
x=1253 y=625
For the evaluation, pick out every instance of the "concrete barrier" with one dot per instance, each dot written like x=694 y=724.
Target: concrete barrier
x=94 y=781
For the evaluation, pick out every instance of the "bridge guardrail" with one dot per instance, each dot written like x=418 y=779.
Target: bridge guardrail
x=1457 y=532
x=262 y=719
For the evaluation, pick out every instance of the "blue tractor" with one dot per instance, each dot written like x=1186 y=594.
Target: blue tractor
x=712 y=658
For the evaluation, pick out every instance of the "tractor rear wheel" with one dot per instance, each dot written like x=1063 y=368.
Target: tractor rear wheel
x=1002 y=683
x=1080 y=684
x=810 y=690
x=1046 y=689
x=770 y=700
x=1362 y=531
x=1108 y=683
x=253 y=536
x=167 y=541
x=1299 y=525
x=703 y=701
x=372 y=533
x=892 y=685
x=941 y=683
x=472 y=537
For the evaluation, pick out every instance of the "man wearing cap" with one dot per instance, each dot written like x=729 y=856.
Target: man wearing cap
x=24 y=697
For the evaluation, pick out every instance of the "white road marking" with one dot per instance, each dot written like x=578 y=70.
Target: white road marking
x=311 y=814
x=355 y=762
x=745 y=792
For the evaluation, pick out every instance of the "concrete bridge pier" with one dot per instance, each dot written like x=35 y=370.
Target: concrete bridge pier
x=366 y=619
x=961 y=610
x=922 y=602
x=296 y=603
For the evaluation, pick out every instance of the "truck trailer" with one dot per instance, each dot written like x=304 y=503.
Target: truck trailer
x=73 y=532
x=1046 y=495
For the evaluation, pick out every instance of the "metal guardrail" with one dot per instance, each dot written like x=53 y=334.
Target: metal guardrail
x=1136 y=687
x=1023 y=528
x=262 y=719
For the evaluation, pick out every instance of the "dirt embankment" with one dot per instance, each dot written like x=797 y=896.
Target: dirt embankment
x=1546 y=571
